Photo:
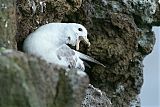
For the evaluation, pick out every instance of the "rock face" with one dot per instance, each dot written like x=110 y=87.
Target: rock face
x=95 y=98
x=120 y=35
x=8 y=24
x=26 y=81
x=34 y=13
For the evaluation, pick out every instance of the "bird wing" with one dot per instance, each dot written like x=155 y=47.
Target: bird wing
x=88 y=58
x=72 y=59
x=68 y=56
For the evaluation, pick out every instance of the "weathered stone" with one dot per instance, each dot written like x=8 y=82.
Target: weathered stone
x=120 y=35
x=142 y=9
x=95 y=98
x=34 y=13
x=26 y=81
x=8 y=24
x=156 y=21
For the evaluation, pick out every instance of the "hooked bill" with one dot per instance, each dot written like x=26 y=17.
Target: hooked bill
x=82 y=38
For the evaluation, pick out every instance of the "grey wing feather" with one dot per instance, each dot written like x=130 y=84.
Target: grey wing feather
x=88 y=58
x=65 y=50
x=65 y=53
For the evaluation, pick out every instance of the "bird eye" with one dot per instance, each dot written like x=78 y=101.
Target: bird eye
x=69 y=38
x=80 y=29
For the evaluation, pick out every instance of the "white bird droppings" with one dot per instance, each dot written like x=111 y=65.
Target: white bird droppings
x=6 y=24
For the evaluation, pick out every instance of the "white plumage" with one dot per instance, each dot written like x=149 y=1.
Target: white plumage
x=50 y=43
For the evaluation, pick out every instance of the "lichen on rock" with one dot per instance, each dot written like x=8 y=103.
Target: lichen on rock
x=120 y=35
x=27 y=81
x=7 y=24
x=95 y=98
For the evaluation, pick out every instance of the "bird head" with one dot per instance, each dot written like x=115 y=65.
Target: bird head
x=77 y=34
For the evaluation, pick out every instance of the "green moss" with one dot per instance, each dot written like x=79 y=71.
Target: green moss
x=17 y=90
x=64 y=92
x=2 y=49
x=12 y=92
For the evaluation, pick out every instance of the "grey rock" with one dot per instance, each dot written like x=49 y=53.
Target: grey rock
x=26 y=81
x=120 y=35
x=8 y=24
x=145 y=9
x=95 y=98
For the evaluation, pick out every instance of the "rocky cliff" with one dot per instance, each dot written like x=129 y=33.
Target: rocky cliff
x=120 y=35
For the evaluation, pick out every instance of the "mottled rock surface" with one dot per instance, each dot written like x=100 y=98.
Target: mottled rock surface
x=26 y=81
x=95 y=98
x=156 y=21
x=8 y=24
x=120 y=35
x=34 y=13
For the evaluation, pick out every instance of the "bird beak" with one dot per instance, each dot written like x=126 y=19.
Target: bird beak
x=82 y=38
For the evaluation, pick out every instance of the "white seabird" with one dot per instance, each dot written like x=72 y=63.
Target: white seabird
x=50 y=43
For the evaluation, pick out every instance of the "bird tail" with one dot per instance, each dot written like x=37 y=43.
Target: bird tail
x=88 y=58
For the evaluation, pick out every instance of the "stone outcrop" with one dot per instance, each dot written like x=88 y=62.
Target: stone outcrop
x=26 y=81
x=120 y=35
x=95 y=98
x=8 y=24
